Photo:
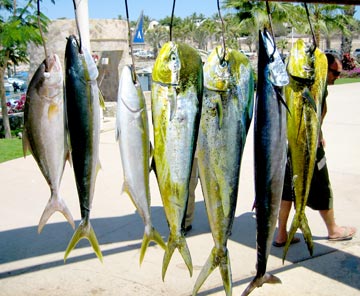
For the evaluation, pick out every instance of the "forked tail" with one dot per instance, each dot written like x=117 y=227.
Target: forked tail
x=84 y=230
x=299 y=221
x=304 y=226
x=55 y=203
x=258 y=281
x=179 y=242
x=217 y=258
x=154 y=236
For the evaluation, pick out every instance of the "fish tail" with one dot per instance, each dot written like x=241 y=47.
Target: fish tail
x=55 y=204
x=294 y=226
x=178 y=242
x=258 y=281
x=154 y=236
x=216 y=258
x=304 y=226
x=84 y=230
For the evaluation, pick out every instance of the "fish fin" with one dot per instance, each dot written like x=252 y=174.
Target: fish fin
x=215 y=259
x=304 y=226
x=294 y=226
x=69 y=158
x=220 y=112
x=257 y=282
x=154 y=236
x=179 y=242
x=25 y=143
x=173 y=105
x=281 y=99
x=84 y=230
x=53 y=109
x=309 y=97
x=55 y=204
x=101 y=100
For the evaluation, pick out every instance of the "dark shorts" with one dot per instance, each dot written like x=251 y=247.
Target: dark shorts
x=320 y=195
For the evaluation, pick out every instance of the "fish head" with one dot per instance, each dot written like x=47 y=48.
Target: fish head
x=50 y=77
x=301 y=62
x=277 y=71
x=167 y=65
x=129 y=90
x=72 y=49
x=216 y=70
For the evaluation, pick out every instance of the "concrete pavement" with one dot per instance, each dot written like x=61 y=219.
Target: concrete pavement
x=32 y=263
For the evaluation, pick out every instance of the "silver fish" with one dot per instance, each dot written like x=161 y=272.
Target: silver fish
x=132 y=133
x=45 y=133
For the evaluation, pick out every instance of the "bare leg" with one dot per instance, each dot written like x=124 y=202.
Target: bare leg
x=285 y=208
x=334 y=230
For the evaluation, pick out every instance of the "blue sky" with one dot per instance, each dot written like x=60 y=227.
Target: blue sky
x=155 y=9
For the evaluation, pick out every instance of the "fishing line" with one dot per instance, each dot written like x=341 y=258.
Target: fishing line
x=77 y=26
x=172 y=18
x=222 y=32
x=271 y=29
x=311 y=27
x=133 y=73
x=42 y=35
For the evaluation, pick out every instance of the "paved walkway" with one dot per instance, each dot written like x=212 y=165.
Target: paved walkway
x=32 y=264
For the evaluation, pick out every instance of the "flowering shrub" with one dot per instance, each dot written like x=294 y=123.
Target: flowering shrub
x=16 y=106
x=354 y=73
x=347 y=62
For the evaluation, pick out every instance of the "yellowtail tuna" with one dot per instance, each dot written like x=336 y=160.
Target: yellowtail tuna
x=132 y=132
x=307 y=68
x=44 y=131
x=176 y=103
x=269 y=152
x=225 y=119
x=83 y=113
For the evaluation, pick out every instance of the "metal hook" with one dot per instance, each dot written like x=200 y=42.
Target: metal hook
x=133 y=73
x=311 y=28
x=42 y=35
x=172 y=18
x=222 y=59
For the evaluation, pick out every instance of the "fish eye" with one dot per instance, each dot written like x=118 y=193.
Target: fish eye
x=173 y=57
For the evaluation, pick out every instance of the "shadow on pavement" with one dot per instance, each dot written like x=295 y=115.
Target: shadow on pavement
x=25 y=243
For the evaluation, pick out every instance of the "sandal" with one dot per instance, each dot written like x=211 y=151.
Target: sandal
x=347 y=234
x=295 y=240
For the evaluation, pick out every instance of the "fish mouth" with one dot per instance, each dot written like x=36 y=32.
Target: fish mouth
x=166 y=84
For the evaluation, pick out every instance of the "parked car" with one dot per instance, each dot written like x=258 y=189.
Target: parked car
x=248 y=53
x=334 y=52
x=356 y=53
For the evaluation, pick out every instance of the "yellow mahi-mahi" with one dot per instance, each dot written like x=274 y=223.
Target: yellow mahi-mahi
x=225 y=119
x=307 y=68
x=176 y=104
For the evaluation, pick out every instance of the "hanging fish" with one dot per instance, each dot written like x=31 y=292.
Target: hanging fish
x=83 y=113
x=176 y=104
x=269 y=152
x=132 y=132
x=45 y=133
x=307 y=68
x=225 y=119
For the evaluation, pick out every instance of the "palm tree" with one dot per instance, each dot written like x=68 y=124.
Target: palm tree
x=346 y=38
x=16 y=31
x=156 y=36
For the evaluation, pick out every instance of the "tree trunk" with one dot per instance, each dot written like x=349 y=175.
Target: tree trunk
x=346 y=40
x=5 y=116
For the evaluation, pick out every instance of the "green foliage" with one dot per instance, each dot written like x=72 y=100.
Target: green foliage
x=10 y=149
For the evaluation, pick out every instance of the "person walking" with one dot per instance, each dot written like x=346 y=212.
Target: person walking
x=320 y=195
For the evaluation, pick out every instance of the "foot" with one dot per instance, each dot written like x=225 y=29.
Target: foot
x=295 y=240
x=342 y=233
